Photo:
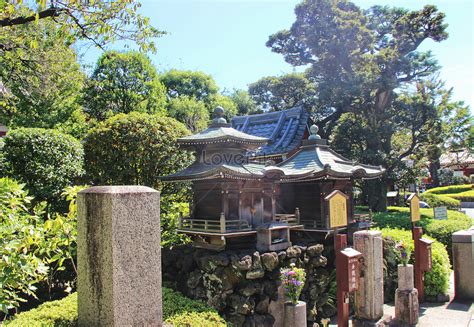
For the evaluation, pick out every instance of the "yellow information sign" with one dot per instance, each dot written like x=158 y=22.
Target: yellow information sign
x=337 y=209
x=414 y=200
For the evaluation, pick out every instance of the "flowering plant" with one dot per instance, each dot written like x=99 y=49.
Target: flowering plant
x=293 y=281
x=404 y=251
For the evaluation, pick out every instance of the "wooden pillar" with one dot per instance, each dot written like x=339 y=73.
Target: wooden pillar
x=342 y=306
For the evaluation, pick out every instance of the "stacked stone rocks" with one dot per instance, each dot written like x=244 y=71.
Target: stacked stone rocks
x=244 y=285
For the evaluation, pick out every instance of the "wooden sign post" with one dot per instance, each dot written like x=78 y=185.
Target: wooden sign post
x=337 y=208
x=422 y=247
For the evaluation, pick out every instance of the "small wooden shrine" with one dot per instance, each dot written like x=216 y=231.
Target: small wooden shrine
x=233 y=195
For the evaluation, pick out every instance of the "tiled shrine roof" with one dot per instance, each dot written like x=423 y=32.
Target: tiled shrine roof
x=284 y=129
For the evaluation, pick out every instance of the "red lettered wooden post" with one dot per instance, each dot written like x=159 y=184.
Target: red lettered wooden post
x=417 y=232
x=347 y=276
x=342 y=306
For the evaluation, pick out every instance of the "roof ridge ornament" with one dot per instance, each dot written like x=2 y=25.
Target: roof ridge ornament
x=314 y=133
x=219 y=116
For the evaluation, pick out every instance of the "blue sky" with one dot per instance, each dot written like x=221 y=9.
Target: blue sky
x=227 y=38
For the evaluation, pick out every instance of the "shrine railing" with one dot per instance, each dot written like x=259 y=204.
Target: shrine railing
x=290 y=219
x=220 y=225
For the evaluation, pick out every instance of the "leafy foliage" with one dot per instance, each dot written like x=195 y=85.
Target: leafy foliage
x=467 y=196
x=45 y=160
x=123 y=82
x=99 y=22
x=436 y=281
x=41 y=78
x=192 y=113
x=171 y=210
x=435 y=200
x=33 y=250
x=286 y=91
x=441 y=230
x=245 y=104
x=450 y=189
x=60 y=313
x=177 y=310
x=77 y=125
x=134 y=149
x=196 y=85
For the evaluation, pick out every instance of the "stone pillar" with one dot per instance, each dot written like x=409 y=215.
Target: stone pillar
x=119 y=256
x=295 y=315
x=368 y=298
x=406 y=298
x=463 y=264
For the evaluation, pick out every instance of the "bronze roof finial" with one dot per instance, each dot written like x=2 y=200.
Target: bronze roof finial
x=314 y=133
x=219 y=116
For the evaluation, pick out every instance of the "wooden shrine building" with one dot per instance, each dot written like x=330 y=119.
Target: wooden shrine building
x=234 y=195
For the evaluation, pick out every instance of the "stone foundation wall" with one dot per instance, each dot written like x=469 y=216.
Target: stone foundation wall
x=244 y=285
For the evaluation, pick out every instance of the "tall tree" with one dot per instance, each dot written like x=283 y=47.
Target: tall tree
x=199 y=86
x=42 y=79
x=282 y=92
x=192 y=113
x=192 y=84
x=245 y=104
x=357 y=59
x=123 y=82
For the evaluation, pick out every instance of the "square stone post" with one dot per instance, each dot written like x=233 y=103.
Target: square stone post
x=119 y=256
x=463 y=264
x=369 y=297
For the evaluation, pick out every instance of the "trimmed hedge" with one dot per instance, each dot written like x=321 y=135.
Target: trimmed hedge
x=436 y=281
x=441 y=230
x=61 y=313
x=178 y=310
x=435 y=200
x=450 y=189
x=46 y=160
x=467 y=196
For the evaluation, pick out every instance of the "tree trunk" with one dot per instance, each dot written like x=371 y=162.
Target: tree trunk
x=375 y=191
x=434 y=167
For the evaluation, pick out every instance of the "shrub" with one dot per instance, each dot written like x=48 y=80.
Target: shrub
x=435 y=200
x=450 y=189
x=32 y=251
x=467 y=196
x=436 y=281
x=441 y=230
x=177 y=310
x=46 y=160
x=61 y=313
x=182 y=311
x=134 y=148
x=170 y=214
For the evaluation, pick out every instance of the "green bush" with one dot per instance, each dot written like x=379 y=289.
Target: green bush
x=177 y=310
x=34 y=253
x=436 y=281
x=467 y=196
x=435 y=200
x=134 y=148
x=61 y=313
x=46 y=160
x=450 y=189
x=441 y=230
x=182 y=311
